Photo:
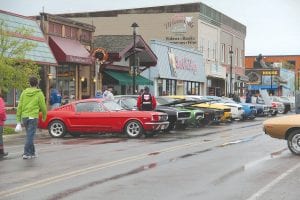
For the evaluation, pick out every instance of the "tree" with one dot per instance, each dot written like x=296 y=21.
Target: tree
x=15 y=69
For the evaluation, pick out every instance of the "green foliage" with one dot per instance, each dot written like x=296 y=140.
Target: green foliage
x=14 y=68
x=8 y=130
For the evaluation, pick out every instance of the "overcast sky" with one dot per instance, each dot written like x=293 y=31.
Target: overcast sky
x=273 y=26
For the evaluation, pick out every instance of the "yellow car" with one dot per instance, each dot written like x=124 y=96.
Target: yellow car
x=227 y=110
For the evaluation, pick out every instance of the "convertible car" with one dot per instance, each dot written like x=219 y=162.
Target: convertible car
x=101 y=116
x=287 y=128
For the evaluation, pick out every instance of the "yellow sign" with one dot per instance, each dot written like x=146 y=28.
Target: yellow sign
x=270 y=72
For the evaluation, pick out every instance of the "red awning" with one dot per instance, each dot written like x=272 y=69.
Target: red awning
x=66 y=50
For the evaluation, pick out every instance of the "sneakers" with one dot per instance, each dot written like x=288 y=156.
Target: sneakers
x=29 y=156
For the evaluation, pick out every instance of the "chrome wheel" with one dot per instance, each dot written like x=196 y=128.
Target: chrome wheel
x=294 y=142
x=57 y=129
x=133 y=129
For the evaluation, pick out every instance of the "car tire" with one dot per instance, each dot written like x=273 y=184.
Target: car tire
x=57 y=129
x=133 y=129
x=293 y=141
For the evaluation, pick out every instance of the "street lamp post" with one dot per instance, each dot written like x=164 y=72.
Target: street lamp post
x=134 y=26
x=230 y=77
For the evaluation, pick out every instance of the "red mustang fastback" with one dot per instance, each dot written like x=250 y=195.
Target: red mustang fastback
x=101 y=116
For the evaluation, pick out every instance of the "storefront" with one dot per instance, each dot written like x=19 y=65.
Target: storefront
x=41 y=54
x=116 y=71
x=73 y=75
x=179 y=71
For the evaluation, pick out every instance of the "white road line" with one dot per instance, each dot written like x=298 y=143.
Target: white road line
x=269 y=186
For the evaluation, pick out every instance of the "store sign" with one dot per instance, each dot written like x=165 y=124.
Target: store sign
x=179 y=25
x=180 y=63
x=269 y=72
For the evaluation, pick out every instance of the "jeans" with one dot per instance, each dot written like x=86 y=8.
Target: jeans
x=30 y=127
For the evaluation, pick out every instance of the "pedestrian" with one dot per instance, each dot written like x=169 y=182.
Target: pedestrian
x=2 y=119
x=248 y=97
x=146 y=101
x=107 y=94
x=31 y=102
x=55 y=98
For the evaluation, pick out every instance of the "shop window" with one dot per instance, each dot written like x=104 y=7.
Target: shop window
x=85 y=36
x=83 y=84
x=55 y=28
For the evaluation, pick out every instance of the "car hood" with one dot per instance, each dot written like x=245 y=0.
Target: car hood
x=290 y=119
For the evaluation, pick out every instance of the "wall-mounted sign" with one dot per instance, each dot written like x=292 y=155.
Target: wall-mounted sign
x=179 y=23
x=179 y=26
x=269 y=72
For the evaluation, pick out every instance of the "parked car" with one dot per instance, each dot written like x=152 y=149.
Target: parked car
x=265 y=110
x=237 y=111
x=227 y=116
x=249 y=110
x=101 y=116
x=285 y=102
x=197 y=115
x=177 y=118
x=287 y=128
x=212 y=115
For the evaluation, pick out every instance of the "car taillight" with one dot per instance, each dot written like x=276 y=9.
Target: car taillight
x=274 y=105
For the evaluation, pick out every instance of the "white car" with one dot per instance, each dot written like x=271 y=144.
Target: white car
x=237 y=110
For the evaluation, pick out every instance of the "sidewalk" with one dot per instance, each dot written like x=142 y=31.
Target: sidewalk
x=22 y=134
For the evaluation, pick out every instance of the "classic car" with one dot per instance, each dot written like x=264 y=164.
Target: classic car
x=211 y=116
x=227 y=115
x=177 y=118
x=287 y=128
x=264 y=109
x=286 y=103
x=237 y=111
x=197 y=115
x=101 y=116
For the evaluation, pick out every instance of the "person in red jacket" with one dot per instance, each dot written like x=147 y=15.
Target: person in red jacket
x=2 y=119
x=146 y=101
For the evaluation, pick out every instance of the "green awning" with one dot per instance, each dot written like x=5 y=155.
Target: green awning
x=125 y=79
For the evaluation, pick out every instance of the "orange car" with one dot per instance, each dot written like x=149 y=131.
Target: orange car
x=287 y=128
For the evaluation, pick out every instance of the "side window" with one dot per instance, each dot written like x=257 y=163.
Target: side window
x=89 y=107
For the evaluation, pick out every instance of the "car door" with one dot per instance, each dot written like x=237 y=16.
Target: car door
x=91 y=117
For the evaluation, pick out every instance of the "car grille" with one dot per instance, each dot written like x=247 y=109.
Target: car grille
x=227 y=110
x=219 y=113
x=266 y=108
x=252 y=107
x=183 y=115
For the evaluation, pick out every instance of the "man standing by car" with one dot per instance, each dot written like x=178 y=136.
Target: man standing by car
x=146 y=101
x=32 y=101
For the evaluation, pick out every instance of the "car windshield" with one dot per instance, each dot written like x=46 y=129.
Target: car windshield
x=129 y=103
x=112 y=105
x=163 y=101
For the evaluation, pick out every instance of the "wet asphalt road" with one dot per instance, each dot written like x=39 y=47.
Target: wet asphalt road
x=228 y=161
